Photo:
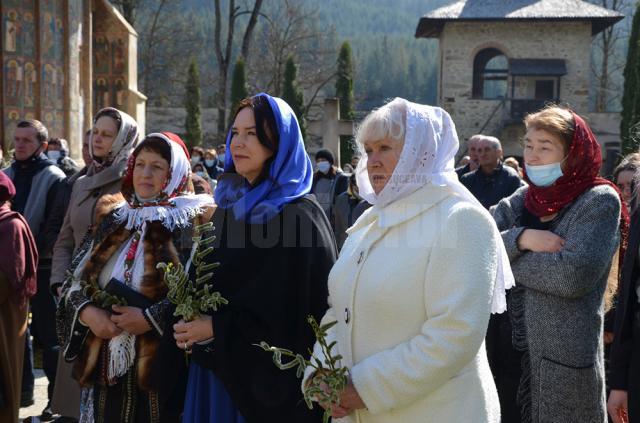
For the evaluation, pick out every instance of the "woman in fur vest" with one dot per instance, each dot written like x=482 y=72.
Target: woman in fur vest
x=127 y=371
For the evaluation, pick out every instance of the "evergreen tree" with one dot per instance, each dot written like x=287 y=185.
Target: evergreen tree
x=292 y=94
x=630 y=124
x=192 y=126
x=239 y=90
x=344 y=92
x=344 y=81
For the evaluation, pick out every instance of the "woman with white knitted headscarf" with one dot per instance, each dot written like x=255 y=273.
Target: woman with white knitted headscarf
x=416 y=280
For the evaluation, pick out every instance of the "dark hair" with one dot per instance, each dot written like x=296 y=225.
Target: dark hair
x=630 y=162
x=64 y=145
x=112 y=113
x=197 y=150
x=156 y=145
x=266 y=129
x=41 y=131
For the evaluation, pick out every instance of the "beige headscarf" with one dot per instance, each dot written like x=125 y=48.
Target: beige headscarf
x=124 y=143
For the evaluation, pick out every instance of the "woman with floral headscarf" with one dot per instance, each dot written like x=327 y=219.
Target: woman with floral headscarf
x=416 y=281
x=562 y=234
x=275 y=249
x=121 y=359
x=112 y=139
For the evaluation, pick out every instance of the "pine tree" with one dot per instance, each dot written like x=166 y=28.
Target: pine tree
x=292 y=94
x=344 y=82
x=630 y=123
x=239 y=90
x=192 y=126
x=344 y=92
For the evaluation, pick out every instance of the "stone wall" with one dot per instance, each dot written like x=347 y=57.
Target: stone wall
x=461 y=41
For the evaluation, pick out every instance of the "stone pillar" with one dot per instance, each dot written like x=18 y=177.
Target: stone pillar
x=331 y=127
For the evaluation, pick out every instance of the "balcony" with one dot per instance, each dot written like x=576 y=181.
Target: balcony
x=521 y=107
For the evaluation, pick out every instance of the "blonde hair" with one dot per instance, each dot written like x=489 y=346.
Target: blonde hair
x=555 y=120
x=386 y=122
x=611 y=289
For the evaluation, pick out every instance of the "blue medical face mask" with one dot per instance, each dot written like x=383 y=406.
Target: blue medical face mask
x=544 y=175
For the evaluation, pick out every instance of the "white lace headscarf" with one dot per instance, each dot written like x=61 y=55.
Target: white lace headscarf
x=427 y=157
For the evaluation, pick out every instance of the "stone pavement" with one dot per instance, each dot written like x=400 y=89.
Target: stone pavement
x=40 y=394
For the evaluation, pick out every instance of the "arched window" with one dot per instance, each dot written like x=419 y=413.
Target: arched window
x=490 y=72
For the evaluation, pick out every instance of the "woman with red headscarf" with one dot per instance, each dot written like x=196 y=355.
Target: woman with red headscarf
x=564 y=234
x=17 y=284
x=129 y=371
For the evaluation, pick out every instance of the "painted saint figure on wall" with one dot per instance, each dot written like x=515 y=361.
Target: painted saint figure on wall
x=11 y=31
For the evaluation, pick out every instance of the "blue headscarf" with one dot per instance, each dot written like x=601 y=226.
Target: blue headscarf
x=290 y=173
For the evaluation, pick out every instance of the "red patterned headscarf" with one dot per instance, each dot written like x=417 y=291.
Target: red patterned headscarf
x=580 y=173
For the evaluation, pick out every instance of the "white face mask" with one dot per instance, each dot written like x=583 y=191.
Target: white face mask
x=324 y=167
x=54 y=155
x=209 y=162
x=221 y=158
x=200 y=174
x=195 y=160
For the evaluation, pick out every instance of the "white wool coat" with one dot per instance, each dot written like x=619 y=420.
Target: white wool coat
x=412 y=292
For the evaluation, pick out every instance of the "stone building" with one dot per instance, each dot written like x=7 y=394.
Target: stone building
x=62 y=61
x=501 y=59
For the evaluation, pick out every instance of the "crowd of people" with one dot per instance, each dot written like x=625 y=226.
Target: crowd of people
x=503 y=290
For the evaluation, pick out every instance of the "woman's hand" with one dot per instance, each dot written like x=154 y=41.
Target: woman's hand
x=188 y=333
x=349 y=401
x=609 y=337
x=540 y=241
x=99 y=322
x=130 y=319
x=337 y=411
x=618 y=406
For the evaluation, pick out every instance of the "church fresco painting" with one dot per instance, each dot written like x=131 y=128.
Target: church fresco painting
x=52 y=59
x=109 y=66
x=46 y=65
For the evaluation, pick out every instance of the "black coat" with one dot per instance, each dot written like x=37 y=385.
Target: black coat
x=274 y=276
x=625 y=350
x=490 y=189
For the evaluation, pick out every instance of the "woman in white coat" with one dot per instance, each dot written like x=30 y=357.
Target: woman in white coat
x=416 y=281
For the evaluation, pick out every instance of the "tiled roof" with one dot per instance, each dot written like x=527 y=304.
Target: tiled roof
x=431 y=24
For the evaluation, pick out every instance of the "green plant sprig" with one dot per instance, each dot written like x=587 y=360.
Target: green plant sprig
x=330 y=378
x=98 y=296
x=193 y=297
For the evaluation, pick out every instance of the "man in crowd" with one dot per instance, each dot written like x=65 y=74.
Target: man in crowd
x=472 y=148
x=58 y=152
x=491 y=181
x=37 y=180
x=221 y=149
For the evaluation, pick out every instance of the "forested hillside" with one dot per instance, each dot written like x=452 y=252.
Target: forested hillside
x=389 y=61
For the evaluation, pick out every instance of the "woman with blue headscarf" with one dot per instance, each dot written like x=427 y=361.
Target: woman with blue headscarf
x=275 y=248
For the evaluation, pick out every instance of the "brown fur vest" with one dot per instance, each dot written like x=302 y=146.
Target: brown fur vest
x=90 y=367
